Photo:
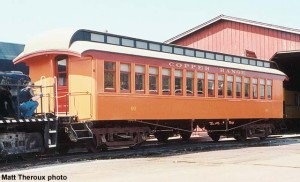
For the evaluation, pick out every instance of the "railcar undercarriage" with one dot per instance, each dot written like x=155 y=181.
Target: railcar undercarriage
x=38 y=135
x=241 y=129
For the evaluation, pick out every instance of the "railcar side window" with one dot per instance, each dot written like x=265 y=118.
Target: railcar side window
x=260 y=63
x=236 y=60
x=238 y=85
x=228 y=58
x=190 y=83
x=125 y=77
x=200 y=83
x=113 y=40
x=211 y=85
x=267 y=65
x=178 y=82
x=178 y=50
x=254 y=88
x=247 y=87
x=209 y=55
x=97 y=37
x=252 y=62
x=221 y=85
x=109 y=76
x=153 y=80
x=245 y=61
x=262 y=84
x=168 y=49
x=229 y=85
x=166 y=81
x=139 y=78
x=155 y=47
x=189 y=52
x=269 y=89
x=127 y=42
x=200 y=54
x=219 y=57
x=141 y=44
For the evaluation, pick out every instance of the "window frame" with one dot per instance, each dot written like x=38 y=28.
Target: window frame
x=125 y=42
x=178 y=50
x=152 y=46
x=62 y=73
x=253 y=88
x=236 y=86
x=210 y=55
x=181 y=82
x=262 y=85
x=167 y=49
x=220 y=57
x=203 y=84
x=112 y=38
x=169 y=81
x=228 y=58
x=189 y=52
x=139 y=44
x=246 y=87
x=129 y=78
x=192 y=81
x=113 y=89
x=227 y=87
x=157 y=80
x=213 y=88
x=143 y=74
x=269 y=85
x=223 y=85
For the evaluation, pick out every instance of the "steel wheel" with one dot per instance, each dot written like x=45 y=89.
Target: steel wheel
x=185 y=136
x=215 y=136
x=162 y=136
x=92 y=146
x=241 y=136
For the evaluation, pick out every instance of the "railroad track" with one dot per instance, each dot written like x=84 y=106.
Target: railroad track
x=150 y=148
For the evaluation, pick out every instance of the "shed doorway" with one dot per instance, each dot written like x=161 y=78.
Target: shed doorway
x=289 y=63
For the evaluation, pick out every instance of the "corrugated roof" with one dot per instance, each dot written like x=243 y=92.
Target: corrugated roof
x=235 y=19
x=10 y=51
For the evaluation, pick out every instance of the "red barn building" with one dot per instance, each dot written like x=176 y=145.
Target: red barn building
x=248 y=38
x=235 y=35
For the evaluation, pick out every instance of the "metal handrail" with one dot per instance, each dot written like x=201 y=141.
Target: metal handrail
x=56 y=95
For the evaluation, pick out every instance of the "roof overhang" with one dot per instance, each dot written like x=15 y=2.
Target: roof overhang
x=22 y=58
x=289 y=63
x=286 y=55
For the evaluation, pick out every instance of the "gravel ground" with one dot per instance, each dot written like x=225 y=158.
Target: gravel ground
x=279 y=162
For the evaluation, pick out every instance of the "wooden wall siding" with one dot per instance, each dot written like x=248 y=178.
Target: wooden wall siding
x=233 y=38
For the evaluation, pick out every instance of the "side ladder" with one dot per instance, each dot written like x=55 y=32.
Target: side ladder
x=50 y=133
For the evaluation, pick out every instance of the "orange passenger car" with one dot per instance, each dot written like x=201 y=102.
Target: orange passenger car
x=124 y=88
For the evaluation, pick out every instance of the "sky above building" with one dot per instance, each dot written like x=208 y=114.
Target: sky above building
x=156 y=20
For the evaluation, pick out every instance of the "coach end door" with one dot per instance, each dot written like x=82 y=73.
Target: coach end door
x=62 y=83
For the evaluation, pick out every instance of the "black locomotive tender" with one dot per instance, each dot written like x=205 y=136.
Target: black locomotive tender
x=19 y=135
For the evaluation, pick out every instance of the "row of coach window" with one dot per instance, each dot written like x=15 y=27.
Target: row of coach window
x=238 y=84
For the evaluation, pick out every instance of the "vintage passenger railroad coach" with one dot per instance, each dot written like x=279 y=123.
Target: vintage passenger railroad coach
x=113 y=90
